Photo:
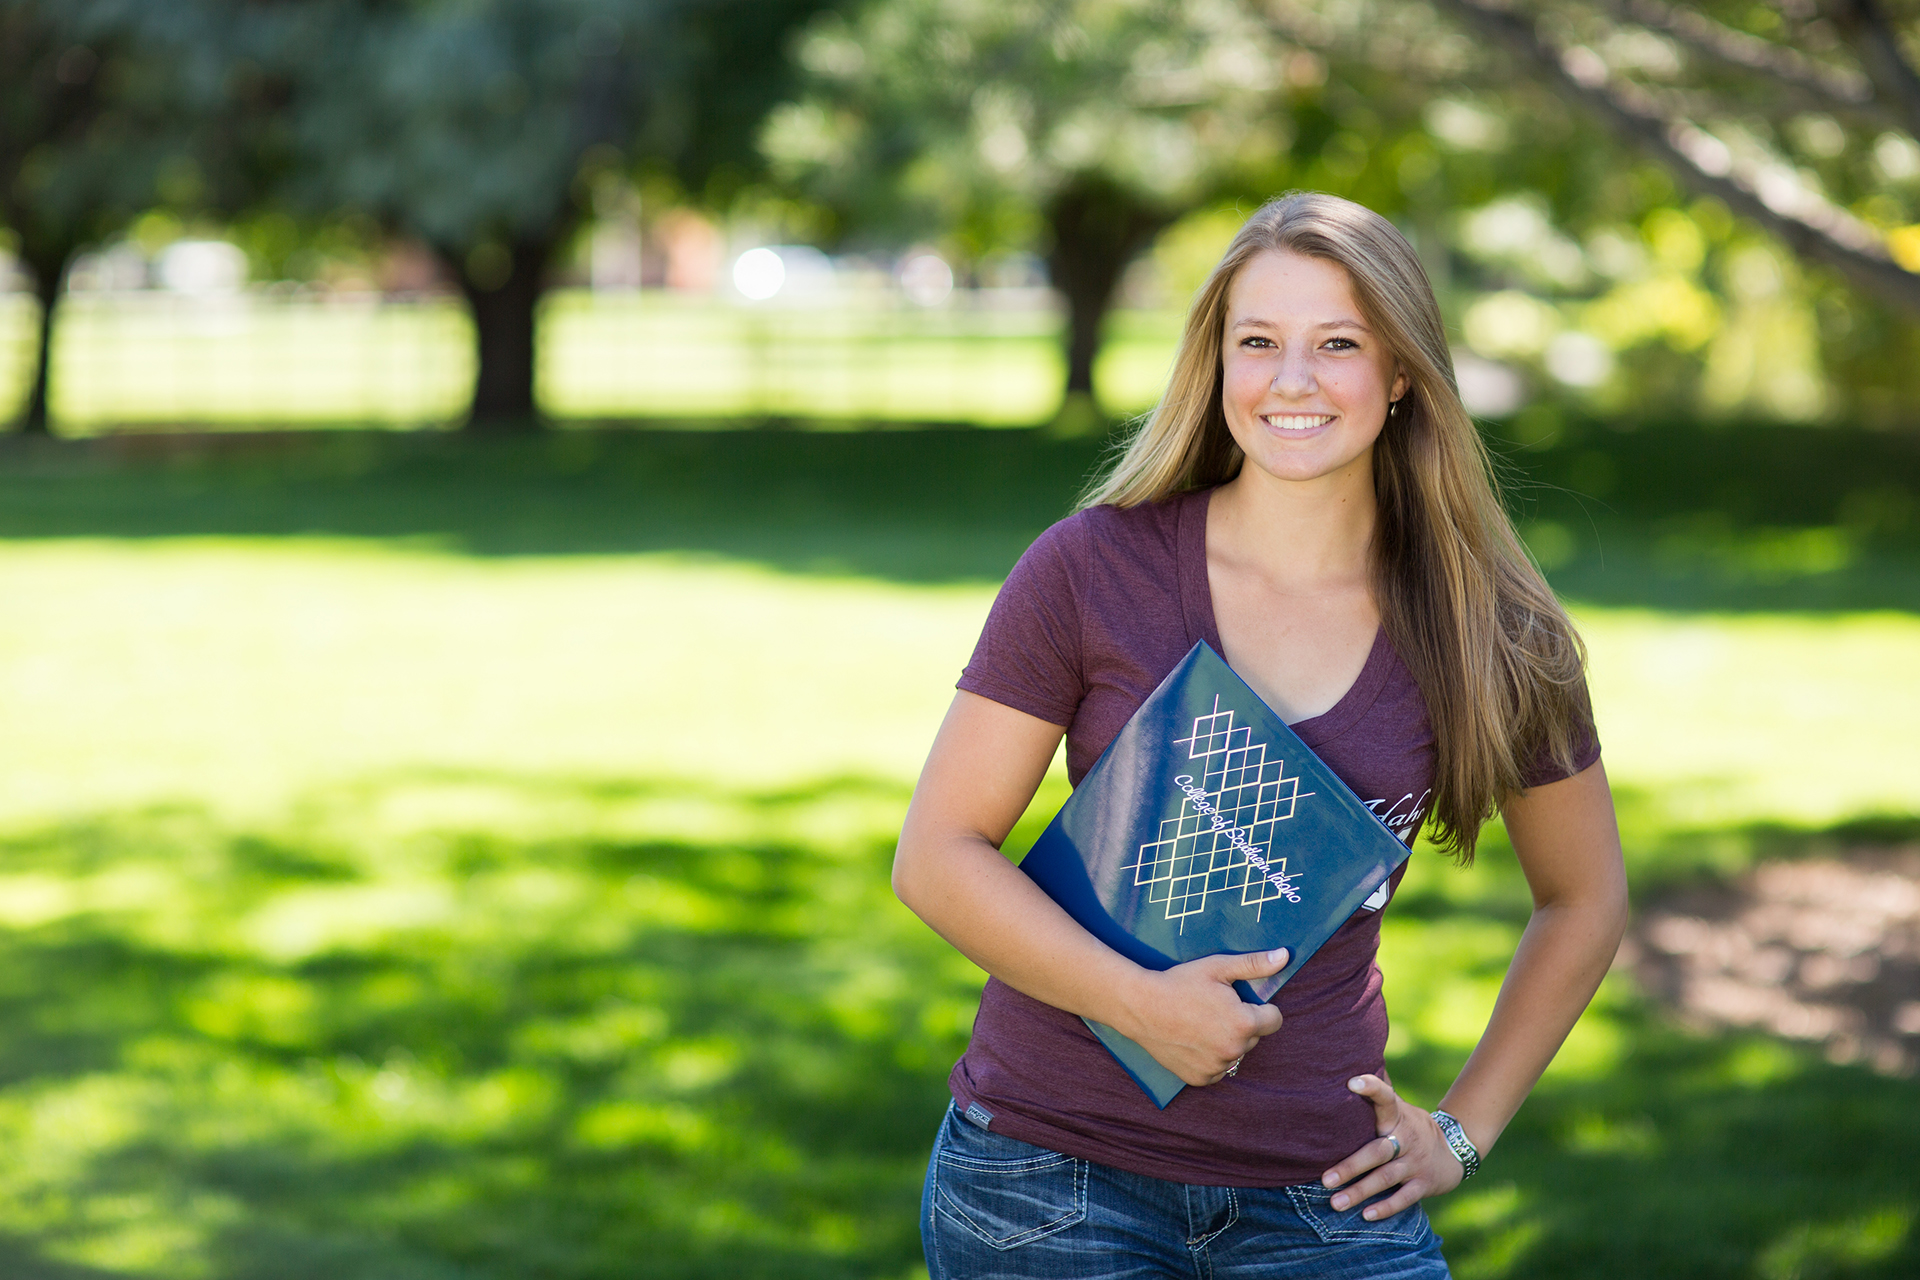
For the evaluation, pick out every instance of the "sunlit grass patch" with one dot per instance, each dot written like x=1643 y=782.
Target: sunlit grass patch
x=245 y=672
x=241 y=671
x=1717 y=720
x=1848 y=1246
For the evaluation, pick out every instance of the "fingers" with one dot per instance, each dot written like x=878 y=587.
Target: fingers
x=1410 y=1193
x=1195 y=1023
x=1256 y=964
x=1266 y=1019
x=1410 y=1159
x=1386 y=1103
x=1375 y=1155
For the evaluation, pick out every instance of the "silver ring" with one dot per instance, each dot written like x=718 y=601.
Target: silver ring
x=1396 y=1145
x=1234 y=1065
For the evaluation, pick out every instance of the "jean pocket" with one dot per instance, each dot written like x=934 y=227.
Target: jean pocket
x=1005 y=1192
x=1314 y=1203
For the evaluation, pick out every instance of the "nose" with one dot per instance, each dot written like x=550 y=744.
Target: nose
x=1294 y=378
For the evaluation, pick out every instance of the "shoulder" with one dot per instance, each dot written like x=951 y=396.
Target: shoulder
x=1088 y=540
x=1104 y=571
x=1095 y=603
x=1096 y=568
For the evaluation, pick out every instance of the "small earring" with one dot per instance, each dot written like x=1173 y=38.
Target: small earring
x=1393 y=407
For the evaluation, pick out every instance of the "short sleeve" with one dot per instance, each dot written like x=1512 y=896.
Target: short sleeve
x=1029 y=654
x=1543 y=768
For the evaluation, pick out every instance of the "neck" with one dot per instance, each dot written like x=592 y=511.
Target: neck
x=1301 y=535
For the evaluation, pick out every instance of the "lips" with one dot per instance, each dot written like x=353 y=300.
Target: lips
x=1296 y=421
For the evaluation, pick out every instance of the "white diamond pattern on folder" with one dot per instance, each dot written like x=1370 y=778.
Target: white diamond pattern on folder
x=1219 y=841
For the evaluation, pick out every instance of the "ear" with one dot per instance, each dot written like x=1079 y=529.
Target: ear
x=1400 y=383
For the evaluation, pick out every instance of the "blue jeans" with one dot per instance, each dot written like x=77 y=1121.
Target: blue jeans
x=998 y=1207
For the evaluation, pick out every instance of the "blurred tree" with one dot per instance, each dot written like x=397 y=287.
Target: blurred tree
x=96 y=101
x=1646 y=207
x=478 y=127
x=1780 y=112
x=1085 y=125
x=50 y=96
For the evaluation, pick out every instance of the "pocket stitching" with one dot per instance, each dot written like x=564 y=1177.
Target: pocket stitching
x=1076 y=1211
x=1233 y=1216
x=1018 y=1164
x=1042 y=1159
x=1397 y=1226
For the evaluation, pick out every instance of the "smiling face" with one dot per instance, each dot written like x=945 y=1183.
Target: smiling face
x=1305 y=383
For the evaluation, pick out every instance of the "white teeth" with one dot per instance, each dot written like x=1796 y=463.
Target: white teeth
x=1296 y=421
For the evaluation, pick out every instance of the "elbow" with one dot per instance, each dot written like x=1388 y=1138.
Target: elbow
x=1619 y=907
x=902 y=878
x=907 y=876
x=1610 y=912
x=1612 y=920
x=1597 y=913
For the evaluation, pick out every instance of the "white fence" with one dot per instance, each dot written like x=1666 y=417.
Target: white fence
x=262 y=357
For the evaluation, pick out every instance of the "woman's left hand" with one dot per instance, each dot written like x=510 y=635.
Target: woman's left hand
x=1416 y=1158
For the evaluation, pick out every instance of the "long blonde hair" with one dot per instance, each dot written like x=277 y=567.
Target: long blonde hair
x=1495 y=655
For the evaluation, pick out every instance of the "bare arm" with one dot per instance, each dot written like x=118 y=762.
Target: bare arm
x=986 y=763
x=1569 y=848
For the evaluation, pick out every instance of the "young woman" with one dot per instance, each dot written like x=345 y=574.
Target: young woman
x=1311 y=499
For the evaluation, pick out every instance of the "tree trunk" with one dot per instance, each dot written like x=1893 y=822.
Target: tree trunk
x=503 y=326
x=1098 y=226
x=48 y=272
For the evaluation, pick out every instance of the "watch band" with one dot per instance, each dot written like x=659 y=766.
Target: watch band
x=1462 y=1145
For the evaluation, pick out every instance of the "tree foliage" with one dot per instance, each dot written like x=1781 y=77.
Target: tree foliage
x=1706 y=207
x=103 y=113
x=474 y=126
x=1780 y=113
x=477 y=128
x=465 y=126
x=1084 y=125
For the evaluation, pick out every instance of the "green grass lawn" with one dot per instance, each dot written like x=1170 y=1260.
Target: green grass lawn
x=444 y=860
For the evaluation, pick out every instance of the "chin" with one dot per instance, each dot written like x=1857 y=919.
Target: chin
x=1296 y=469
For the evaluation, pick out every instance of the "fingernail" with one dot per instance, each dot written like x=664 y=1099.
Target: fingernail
x=1330 y=1181
x=1339 y=1202
x=1368 y=1214
x=1356 y=1084
x=1278 y=956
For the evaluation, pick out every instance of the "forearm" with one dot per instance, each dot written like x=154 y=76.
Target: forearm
x=1563 y=954
x=993 y=914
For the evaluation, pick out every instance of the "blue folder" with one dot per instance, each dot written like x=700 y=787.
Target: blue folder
x=1208 y=827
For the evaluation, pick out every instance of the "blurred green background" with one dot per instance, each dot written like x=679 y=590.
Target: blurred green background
x=503 y=491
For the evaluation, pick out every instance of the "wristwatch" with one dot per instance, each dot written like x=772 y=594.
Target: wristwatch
x=1463 y=1148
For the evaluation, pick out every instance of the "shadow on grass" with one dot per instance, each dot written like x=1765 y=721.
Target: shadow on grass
x=425 y=1049
x=1650 y=1150
x=1726 y=1157
x=453 y=1024
x=1732 y=516
x=1674 y=515
x=1664 y=858
x=928 y=505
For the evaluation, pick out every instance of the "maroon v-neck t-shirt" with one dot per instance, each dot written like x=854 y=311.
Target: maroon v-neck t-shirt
x=1092 y=618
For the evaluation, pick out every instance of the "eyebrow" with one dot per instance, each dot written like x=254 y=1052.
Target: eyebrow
x=1255 y=322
